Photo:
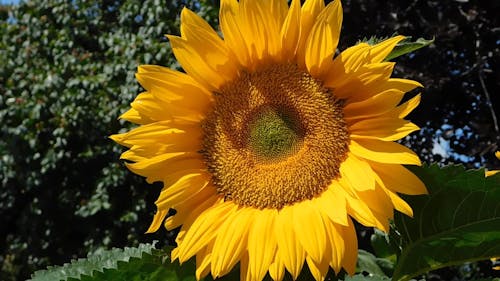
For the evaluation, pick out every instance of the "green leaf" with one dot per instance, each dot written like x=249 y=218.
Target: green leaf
x=144 y=263
x=382 y=245
x=459 y=221
x=150 y=267
x=406 y=46
x=369 y=263
x=361 y=277
x=92 y=264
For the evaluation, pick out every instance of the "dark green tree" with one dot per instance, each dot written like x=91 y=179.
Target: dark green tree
x=67 y=73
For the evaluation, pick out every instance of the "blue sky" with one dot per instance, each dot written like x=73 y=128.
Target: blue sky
x=9 y=1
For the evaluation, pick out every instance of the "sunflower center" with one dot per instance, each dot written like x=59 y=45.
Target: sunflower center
x=274 y=134
x=274 y=138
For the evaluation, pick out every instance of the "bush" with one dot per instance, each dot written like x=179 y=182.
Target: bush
x=67 y=74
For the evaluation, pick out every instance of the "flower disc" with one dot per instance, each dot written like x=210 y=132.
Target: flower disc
x=274 y=138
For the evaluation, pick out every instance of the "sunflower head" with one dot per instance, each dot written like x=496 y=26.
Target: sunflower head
x=268 y=145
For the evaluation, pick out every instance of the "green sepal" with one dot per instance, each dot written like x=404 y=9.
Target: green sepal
x=407 y=46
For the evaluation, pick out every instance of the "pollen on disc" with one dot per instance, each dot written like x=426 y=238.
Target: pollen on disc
x=274 y=137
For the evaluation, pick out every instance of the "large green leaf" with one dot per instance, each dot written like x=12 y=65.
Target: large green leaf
x=458 y=221
x=150 y=267
x=93 y=264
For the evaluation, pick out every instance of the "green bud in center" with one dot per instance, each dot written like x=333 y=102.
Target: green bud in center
x=274 y=134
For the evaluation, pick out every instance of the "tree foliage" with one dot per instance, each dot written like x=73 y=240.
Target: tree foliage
x=67 y=74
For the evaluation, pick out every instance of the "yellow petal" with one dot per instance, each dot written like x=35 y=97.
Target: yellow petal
x=351 y=170
x=357 y=85
x=309 y=12
x=174 y=254
x=318 y=269
x=231 y=241
x=203 y=259
x=119 y=138
x=185 y=98
x=174 y=92
x=384 y=152
x=262 y=21
x=397 y=178
x=145 y=149
x=404 y=85
x=207 y=67
x=261 y=243
x=149 y=105
x=157 y=221
x=378 y=201
x=254 y=28
x=185 y=187
x=403 y=110
x=381 y=50
x=143 y=134
x=134 y=116
x=290 y=31
x=151 y=75
x=290 y=250
x=382 y=128
x=350 y=60
x=359 y=210
x=491 y=173
x=277 y=269
x=245 y=274
x=334 y=234
x=333 y=204
x=175 y=83
x=154 y=169
x=132 y=156
x=230 y=25
x=323 y=39
x=351 y=244
x=161 y=134
x=309 y=229
x=279 y=11
x=211 y=49
x=203 y=230
x=399 y=204
x=373 y=106
x=189 y=210
x=194 y=29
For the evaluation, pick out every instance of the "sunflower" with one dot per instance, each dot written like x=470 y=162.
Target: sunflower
x=269 y=145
